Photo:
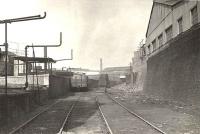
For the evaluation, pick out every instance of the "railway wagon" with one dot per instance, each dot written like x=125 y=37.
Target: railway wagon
x=79 y=82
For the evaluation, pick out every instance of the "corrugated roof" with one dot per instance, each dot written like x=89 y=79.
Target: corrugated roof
x=168 y=2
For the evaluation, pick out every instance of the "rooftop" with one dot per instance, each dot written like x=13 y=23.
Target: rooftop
x=125 y=68
x=35 y=59
x=167 y=2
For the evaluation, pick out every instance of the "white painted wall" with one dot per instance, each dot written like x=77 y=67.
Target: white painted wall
x=20 y=80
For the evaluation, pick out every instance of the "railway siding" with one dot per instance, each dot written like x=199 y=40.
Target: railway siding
x=122 y=121
x=167 y=116
x=85 y=117
x=50 y=121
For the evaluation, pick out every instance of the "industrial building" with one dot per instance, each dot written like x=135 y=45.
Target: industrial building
x=169 y=19
x=172 y=51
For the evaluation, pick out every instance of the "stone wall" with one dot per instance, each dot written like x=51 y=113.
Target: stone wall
x=175 y=72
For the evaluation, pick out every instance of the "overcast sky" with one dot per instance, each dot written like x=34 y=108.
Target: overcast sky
x=94 y=29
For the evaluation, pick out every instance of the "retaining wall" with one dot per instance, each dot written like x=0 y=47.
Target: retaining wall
x=19 y=105
x=175 y=72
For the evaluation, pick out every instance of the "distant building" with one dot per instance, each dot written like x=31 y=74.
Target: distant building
x=117 y=70
x=115 y=73
x=12 y=68
x=139 y=55
x=168 y=19
x=139 y=67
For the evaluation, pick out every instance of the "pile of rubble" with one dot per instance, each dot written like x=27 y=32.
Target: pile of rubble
x=125 y=92
x=122 y=88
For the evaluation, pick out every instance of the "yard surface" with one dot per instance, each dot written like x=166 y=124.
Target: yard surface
x=170 y=116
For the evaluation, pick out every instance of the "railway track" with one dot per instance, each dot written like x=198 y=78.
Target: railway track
x=89 y=113
x=103 y=116
x=48 y=120
x=19 y=128
x=67 y=117
x=122 y=120
x=84 y=116
x=136 y=115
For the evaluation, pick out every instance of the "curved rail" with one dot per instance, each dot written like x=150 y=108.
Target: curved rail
x=104 y=118
x=136 y=115
x=31 y=119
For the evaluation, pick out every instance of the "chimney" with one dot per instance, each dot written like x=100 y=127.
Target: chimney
x=45 y=56
x=101 y=65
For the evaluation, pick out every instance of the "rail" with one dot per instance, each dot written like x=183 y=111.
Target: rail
x=136 y=115
x=104 y=118
x=70 y=112
x=67 y=117
x=31 y=119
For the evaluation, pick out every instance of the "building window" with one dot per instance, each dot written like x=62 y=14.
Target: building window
x=180 y=25
x=169 y=33
x=160 y=40
x=194 y=15
x=149 y=49
x=143 y=52
x=154 y=45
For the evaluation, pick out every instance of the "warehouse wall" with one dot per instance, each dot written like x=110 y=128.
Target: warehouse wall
x=175 y=72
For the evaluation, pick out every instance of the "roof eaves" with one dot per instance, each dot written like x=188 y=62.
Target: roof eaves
x=163 y=3
x=149 y=19
x=179 y=1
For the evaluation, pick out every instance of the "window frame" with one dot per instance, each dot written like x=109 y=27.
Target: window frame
x=159 y=37
x=149 y=48
x=167 y=29
x=191 y=15
x=180 y=29
x=154 y=44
